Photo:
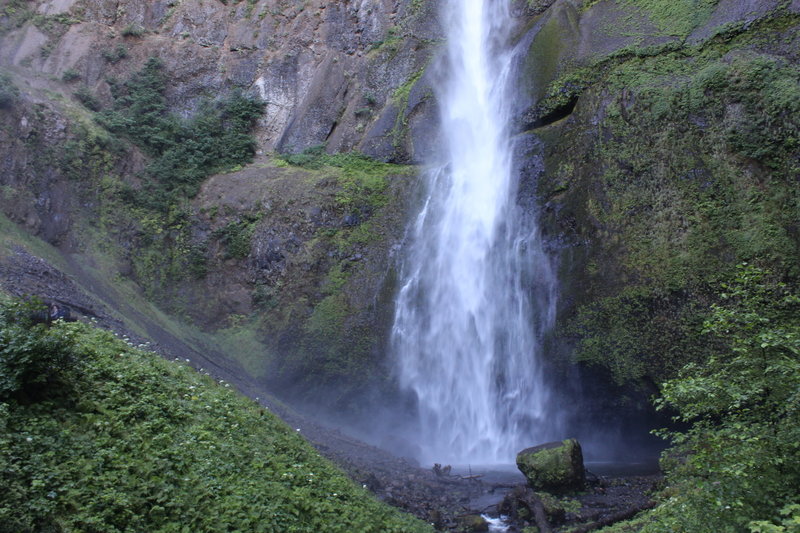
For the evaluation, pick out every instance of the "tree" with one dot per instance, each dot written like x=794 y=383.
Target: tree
x=738 y=460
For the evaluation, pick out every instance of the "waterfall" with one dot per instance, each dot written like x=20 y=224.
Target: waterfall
x=477 y=291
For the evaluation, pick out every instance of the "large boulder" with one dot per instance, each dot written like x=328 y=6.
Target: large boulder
x=473 y=523
x=553 y=467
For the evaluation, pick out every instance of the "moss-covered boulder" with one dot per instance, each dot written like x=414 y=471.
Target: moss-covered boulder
x=553 y=467
x=473 y=523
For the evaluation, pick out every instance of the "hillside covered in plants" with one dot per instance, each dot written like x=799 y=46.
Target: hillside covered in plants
x=99 y=435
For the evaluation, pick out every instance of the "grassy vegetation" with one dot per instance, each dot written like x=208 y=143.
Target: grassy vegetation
x=14 y=13
x=101 y=436
x=363 y=180
x=674 y=17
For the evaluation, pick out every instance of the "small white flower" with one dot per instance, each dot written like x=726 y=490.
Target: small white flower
x=28 y=439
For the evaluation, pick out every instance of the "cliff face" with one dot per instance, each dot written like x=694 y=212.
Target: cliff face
x=288 y=265
x=326 y=70
x=658 y=139
x=669 y=149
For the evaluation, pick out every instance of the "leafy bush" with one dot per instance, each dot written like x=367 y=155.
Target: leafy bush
x=144 y=444
x=8 y=91
x=30 y=354
x=116 y=54
x=70 y=75
x=236 y=236
x=737 y=462
x=313 y=157
x=132 y=30
x=85 y=97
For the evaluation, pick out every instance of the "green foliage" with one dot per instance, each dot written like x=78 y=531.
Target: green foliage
x=142 y=444
x=313 y=157
x=54 y=25
x=133 y=30
x=393 y=40
x=675 y=17
x=184 y=152
x=15 y=13
x=789 y=523
x=737 y=461
x=30 y=354
x=87 y=98
x=140 y=109
x=70 y=75
x=89 y=155
x=236 y=236
x=116 y=54
x=8 y=91
x=362 y=179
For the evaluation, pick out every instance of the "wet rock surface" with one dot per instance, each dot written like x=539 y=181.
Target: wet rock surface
x=555 y=466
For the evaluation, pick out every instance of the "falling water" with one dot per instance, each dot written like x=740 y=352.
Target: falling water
x=477 y=289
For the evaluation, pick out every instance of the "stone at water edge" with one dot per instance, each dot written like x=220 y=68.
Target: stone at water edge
x=473 y=523
x=553 y=467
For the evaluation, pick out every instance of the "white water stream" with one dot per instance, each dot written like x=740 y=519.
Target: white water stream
x=477 y=289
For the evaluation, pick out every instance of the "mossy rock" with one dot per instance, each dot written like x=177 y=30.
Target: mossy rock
x=555 y=467
x=473 y=523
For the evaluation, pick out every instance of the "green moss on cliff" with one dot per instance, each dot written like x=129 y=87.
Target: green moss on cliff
x=336 y=329
x=674 y=17
x=687 y=169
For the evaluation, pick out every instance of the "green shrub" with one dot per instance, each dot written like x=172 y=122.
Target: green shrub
x=737 y=462
x=30 y=354
x=8 y=91
x=116 y=54
x=70 y=75
x=313 y=157
x=183 y=152
x=236 y=237
x=133 y=30
x=85 y=97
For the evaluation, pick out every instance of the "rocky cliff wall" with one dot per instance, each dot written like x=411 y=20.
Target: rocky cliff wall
x=326 y=70
x=288 y=265
x=667 y=132
x=657 y=138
